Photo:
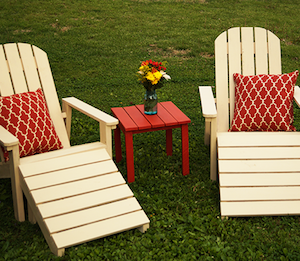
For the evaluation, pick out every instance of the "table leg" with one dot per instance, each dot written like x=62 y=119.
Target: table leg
x=118 y=148
x=169 y=142
x=129 y=156
x=185 y=149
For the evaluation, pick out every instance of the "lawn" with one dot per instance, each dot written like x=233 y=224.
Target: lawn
x=95 y=48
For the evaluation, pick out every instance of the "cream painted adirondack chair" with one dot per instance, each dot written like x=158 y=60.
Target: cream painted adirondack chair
x=76 y=194
x=259 y=172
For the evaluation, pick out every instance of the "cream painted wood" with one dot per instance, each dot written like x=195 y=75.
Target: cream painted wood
x=258 y=153
x=29 y=67
x=76 y=191
x=91 y=111
x=221 y=64
x=85 y=201
x=77 y=187
x=259 y=179
x=258 y=171
x=6 y=88
x=247 y=51
x=91 y=231
x=71 y=174
x=15 y=68
x=261 y=51
x=297 y=95
x=61 y=153
x=91 y=215
x=274 y=53
x=51 y=97
x=68 y=161
x=259 y=208
x=235 y=66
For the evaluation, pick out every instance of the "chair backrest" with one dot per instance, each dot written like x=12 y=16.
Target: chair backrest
x=26 y=68
x=245 y=50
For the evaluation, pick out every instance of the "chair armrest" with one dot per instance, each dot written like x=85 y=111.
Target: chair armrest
x=91 y=111
x=207 y=102
x=297 y=95
x=7 y=140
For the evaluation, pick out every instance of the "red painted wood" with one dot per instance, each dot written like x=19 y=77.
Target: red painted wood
x=185 y=149
x=169 y=142
x=154 y=120
x=133 y=120
x=165 y=116
x=175 y=112
x=138 y=117
x=118 y=148
x=124 y=119
x=129 y=156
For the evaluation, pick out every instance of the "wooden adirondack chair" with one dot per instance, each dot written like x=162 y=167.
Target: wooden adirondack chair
x=258 y=171
x=76 y=194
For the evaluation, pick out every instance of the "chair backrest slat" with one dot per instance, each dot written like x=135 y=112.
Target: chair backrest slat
x=6 y=87
x=243 y=50
x=234 y=61
x=222 y=81
x=29 y=65
x=15 y=68
x=26 y=68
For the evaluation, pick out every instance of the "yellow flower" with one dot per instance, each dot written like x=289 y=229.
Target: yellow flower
x=154 y=77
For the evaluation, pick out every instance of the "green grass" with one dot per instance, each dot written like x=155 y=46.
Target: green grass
x=95 y=48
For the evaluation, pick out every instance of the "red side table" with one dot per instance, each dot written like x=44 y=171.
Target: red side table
x=133 y=120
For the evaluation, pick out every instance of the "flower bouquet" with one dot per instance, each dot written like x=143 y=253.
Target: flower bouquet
x=152 y=74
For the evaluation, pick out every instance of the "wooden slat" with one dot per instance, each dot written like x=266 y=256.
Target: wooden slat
x=259 y=139
x=71 y=174
x=221 y=74
x=234 y=62
x=259 y=153
x=50 y=93
x=90 y=215
x=124 y=118
x=165 y=116
x=175 y=112
x=154 y=120
x=29 y=66
x=248 y=166
x=77 y=187
x=259 y=179
x=61 y=153
x=91 y=111
x=208 y=105
x=16 y=68
x=261 y=51
x=258 y=208
x=260 y=193
x=68 y=161
x=6 y=87
x=247 y=51
x=138 y=117
x=84 y=201
x=7 y=139
x=274 y=54
x=100 y=229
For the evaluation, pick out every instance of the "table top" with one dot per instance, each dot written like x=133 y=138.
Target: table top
x=133 y=117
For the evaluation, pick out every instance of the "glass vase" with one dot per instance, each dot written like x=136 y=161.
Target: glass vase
x=150 y=102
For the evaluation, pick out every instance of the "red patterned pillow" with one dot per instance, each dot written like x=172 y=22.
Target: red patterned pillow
x=26 y=116
x=264 y=102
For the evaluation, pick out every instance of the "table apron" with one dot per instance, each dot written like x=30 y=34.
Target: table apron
x=150 y=130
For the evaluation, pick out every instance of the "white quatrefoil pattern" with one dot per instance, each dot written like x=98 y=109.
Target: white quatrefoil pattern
x=26 y=116
x=264 y=102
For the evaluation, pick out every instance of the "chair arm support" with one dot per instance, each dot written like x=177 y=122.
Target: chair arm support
x=91 y=111
x=7 y=140
x=107 y=123
x=207 y=102
x=297 y=95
